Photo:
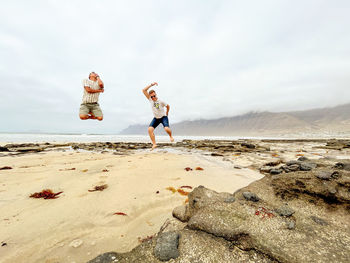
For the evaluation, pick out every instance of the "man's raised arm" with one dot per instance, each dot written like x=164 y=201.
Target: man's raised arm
x=100 y=82
x=147 y=88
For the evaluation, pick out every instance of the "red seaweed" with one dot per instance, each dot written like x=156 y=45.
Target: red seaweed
x=46 y=194
x=6 y=168
x=186 y=186
x=120 y=214
x=182 y=192
x=199 y=168
x=188 y=169
x=265 y=213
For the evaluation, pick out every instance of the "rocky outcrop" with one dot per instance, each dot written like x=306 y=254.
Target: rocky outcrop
x=295 y=216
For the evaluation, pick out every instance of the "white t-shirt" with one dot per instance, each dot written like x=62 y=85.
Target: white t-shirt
x=158 y=108
x=90 y=97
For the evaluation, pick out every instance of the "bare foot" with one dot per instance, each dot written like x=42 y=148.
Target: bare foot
x=171 y=139
x=154 y=146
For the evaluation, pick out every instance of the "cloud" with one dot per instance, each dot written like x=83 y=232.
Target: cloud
x=211 y=59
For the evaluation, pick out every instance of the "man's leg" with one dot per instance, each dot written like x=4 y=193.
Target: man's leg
x=154 y=123
x=84 y=112
x=151 y=135
x=165 y=122
x=96 y=113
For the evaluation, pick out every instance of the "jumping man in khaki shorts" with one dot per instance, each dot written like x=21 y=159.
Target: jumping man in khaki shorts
x=90 y=109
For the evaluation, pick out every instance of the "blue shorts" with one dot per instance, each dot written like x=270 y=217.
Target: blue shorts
x=155 y=122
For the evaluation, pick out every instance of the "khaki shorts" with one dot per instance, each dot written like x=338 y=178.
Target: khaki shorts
x=94 y=108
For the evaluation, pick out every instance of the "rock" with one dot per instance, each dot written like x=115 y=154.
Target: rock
x=166 y=246
x=201 y=197
x=217 y=154
x=324 y=175
x=76 y=243
x=294 y=167
x=285 y=211
x=303 y=159
x=248 y=145
x=293 y=162
x=250 y=196
x=109 y=257
x=237 y=167
x=276 y=171
x=343 y=166
x=319 y=221
x=291 y=225
x=229 y=199
x=307 y=166
x=182 y=213
x=265 y=169
x=4 y=149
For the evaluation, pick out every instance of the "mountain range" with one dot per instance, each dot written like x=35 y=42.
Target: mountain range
x=322 y=121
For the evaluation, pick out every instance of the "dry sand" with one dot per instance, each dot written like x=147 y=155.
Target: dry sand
x=80 y=225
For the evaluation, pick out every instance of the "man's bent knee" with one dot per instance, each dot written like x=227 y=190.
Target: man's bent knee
x=150 y=129
x=100 y=118
x=83 y=116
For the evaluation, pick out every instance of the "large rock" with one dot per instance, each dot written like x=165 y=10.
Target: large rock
x=167 y=246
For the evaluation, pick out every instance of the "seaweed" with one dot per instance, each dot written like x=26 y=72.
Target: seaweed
x=120 y=214
x=188 y=169
x=99 y=188
x=147 y=238
x=170 y=188
x=68 y=169
x=199 y=168
x=46 y=194
x=186 y=186
x=105 y=170
x=182 y=192
x=6 y=168
x=265 y=213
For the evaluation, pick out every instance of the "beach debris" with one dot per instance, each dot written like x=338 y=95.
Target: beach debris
x=182 y=192
x=3 y=244
x=6 y=168
x=170 y=188
x=99 y=188
x=144 y=239
x=68 y=169
x=274 y=155
x=265 y=213
x=188 y=169
x=120 y=214
x=76 y=243
x=105 y=170
x=199 y=168
x=186 y=186
x=85 y=170
x=46 y=194
x=157 y=192
x=299 y=154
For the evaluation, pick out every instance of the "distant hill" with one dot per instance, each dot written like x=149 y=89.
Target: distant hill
x=335 y=120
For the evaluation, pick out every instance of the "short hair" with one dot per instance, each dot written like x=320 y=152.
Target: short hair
x=151 y=91
x=92 y=72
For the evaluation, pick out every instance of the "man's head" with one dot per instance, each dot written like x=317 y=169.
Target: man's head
x=92 y=76
x=153 y=95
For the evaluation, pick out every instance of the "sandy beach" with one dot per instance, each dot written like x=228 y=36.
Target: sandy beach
x=79 y=224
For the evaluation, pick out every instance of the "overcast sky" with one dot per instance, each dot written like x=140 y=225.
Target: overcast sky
x=211 y=59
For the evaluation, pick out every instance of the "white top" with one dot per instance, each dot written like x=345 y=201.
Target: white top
x=90 y=97
x=158 y=108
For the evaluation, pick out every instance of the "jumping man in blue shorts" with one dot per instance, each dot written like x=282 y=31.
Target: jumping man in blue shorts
x=160 y=117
